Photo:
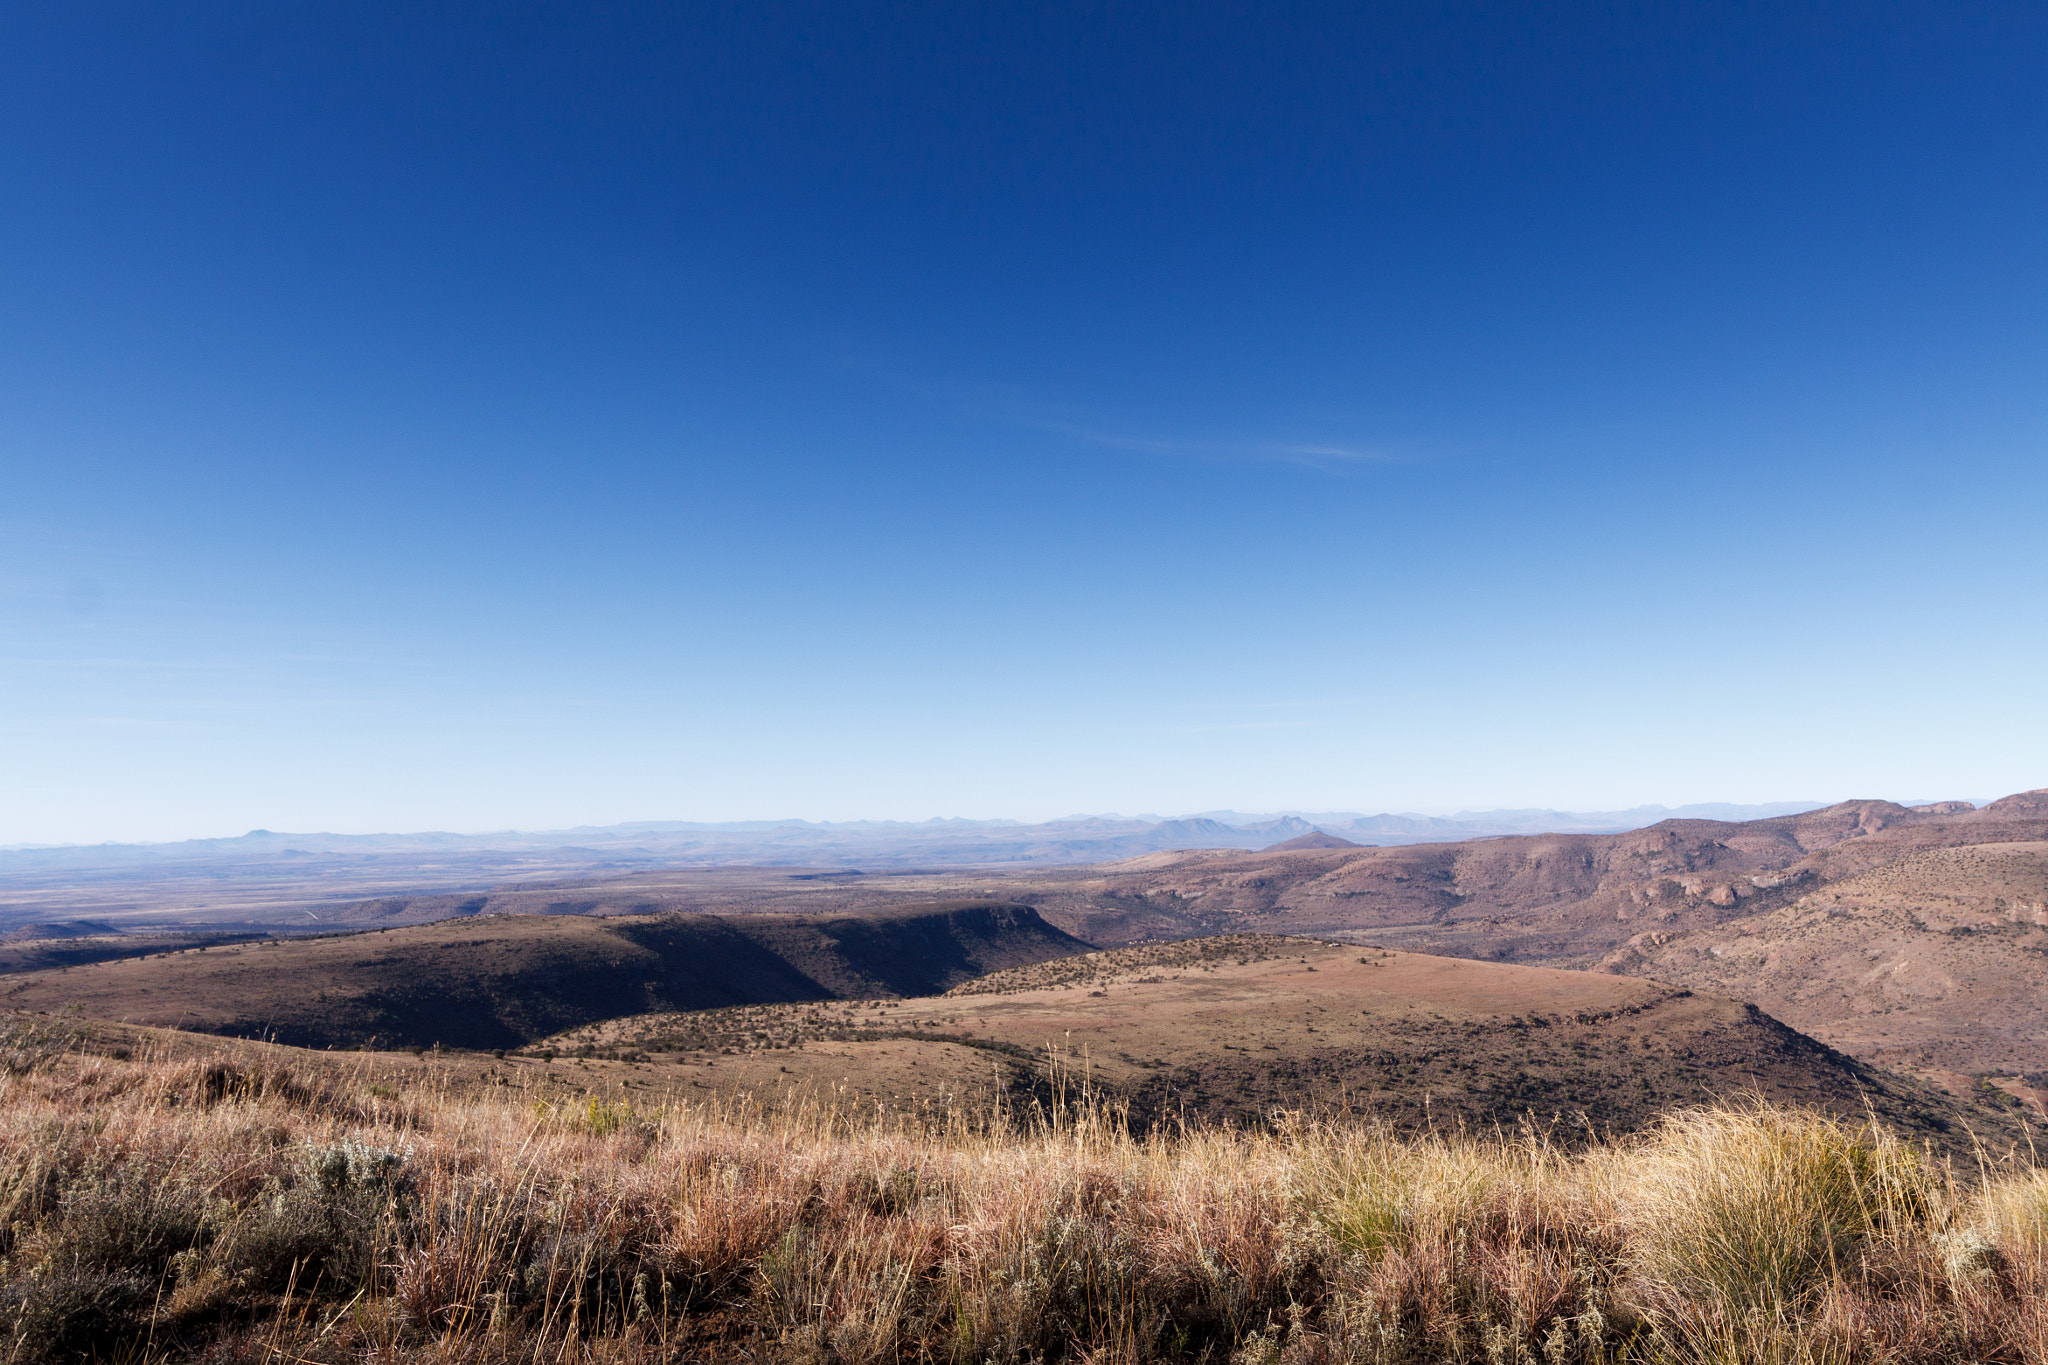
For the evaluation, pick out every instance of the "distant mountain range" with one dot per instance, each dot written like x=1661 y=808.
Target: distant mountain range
x=883 y=843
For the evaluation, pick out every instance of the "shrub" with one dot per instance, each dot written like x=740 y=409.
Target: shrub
x=126 y=1218
x=321 y=1223
x=70 y=1315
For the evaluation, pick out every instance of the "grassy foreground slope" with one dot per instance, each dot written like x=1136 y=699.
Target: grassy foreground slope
x=196 y=1200
x=500 y=981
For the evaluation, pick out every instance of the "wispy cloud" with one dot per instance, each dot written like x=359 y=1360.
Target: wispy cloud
x=1014 y=406
x=1311 y=454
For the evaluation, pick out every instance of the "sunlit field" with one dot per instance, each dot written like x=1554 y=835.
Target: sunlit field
x=287 y=1208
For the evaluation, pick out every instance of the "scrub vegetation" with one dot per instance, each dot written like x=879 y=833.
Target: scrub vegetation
x=277 y=1206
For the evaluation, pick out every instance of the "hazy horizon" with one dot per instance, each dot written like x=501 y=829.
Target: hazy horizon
x=1744 y=809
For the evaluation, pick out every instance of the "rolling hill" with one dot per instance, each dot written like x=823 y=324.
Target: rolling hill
x=1907 y=934
x=496 y=982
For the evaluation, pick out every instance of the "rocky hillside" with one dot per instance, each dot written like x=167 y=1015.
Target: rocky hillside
x=1903 y=933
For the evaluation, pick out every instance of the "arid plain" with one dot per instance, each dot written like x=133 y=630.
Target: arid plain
x=1909 y=942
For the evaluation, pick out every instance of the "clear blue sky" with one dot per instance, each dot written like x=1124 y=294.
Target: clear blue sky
x=473 y=416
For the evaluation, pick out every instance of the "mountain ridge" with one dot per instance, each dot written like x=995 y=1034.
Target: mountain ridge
x=1229 y=824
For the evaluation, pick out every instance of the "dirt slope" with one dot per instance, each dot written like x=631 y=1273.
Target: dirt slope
x=503 y=981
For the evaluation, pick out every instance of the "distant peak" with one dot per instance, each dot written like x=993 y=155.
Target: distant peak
x=1315 y=838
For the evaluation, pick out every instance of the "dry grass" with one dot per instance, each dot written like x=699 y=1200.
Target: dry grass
x=153 y=1208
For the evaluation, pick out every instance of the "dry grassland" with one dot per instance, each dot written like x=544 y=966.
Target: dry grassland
x=199 y=1201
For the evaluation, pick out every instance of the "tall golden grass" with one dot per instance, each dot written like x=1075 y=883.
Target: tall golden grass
x=274 y=1211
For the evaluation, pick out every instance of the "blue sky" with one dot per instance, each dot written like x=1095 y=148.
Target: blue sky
x=477 y=416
